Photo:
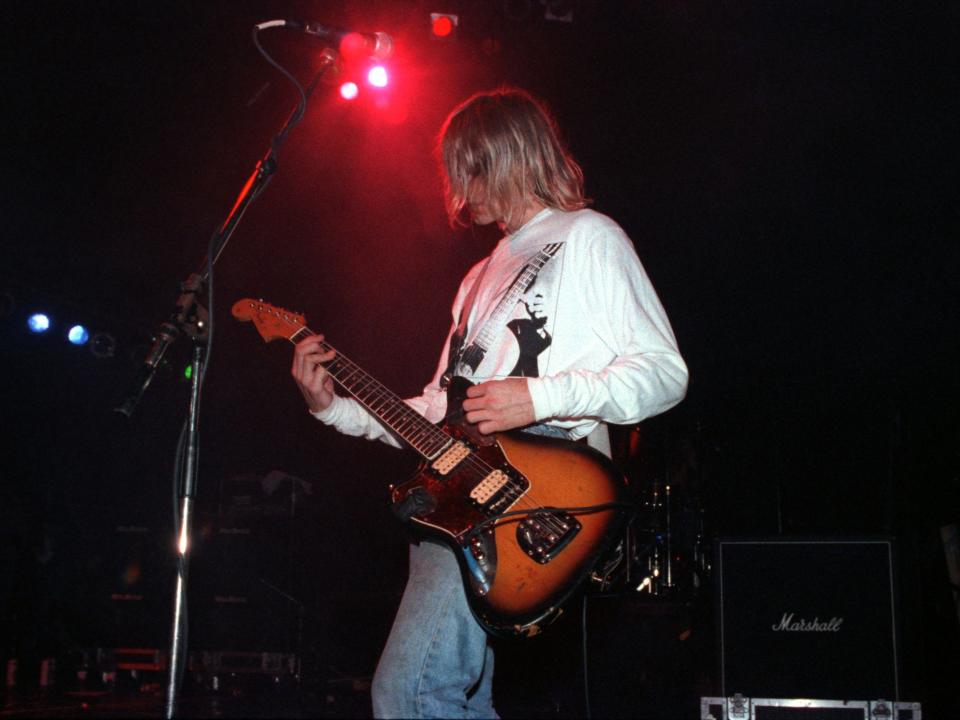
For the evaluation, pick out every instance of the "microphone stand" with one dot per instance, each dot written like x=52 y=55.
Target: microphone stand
x=190 y=318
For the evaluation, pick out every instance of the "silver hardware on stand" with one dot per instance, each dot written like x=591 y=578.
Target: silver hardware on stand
x=665 y=550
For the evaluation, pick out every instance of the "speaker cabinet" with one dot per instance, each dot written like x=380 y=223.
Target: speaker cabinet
x=644 y=658
x=242 y=594
x=807 y=618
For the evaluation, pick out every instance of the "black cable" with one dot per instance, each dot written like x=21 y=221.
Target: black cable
x=301 y=105
x=544 y=510
x=180 y=478
x=214 y=247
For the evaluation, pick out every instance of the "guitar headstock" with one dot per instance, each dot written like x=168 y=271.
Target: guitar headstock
x=272 y=323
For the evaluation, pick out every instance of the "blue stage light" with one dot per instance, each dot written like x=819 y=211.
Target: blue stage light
x=38 y=323
x=78 y=335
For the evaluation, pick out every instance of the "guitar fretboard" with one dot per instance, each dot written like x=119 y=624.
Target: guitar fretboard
x=422 y=435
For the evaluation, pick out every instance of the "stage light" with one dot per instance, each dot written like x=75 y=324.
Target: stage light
x=349 y=91
x=103 y=345
x=38 y=323
x=78 y=335
x=353 y=46
x=378 y=76
x=442 y=25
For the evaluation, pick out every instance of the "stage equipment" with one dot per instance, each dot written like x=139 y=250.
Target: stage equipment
x=244 y=596
x=666 y=549
x=377 y=76
x=137 y=587
x=663 y=551
x=78 y=335
x=191 y=319
x=644 y=657
x=807 y=618
x=351 y=43
x=741 y=708
x=443 y=25
x=103 y=345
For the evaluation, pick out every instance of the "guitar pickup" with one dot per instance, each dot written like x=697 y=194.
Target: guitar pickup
x=488 y=487
x=498 y=491
x=452 y=457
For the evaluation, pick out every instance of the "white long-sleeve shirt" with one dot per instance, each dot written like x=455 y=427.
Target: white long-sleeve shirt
x=590 y=333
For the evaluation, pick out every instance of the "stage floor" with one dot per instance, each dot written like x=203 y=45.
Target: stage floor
x=295 y=703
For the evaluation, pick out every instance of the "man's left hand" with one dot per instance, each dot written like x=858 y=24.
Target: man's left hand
x=499 y=405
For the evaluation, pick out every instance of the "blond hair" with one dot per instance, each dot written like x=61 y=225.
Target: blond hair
x=508 y=142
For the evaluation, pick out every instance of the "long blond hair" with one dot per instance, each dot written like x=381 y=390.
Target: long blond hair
x=508 y=142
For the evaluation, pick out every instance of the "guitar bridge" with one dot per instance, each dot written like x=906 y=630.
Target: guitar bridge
x=543 y=535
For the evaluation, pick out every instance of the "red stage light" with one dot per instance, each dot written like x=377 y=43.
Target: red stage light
x=442 y=25
x=349 y=91
x=378 y=76
x=353 y=46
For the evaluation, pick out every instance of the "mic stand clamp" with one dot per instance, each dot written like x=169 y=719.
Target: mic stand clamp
x=188 y=318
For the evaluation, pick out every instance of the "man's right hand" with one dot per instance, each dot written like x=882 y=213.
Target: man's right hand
x=308 y=372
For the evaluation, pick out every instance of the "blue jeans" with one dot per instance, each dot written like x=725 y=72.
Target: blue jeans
x=437 y=662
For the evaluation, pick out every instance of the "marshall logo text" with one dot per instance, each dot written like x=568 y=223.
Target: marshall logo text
x=788 y=624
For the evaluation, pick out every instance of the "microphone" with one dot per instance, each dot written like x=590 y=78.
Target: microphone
x=378 y=45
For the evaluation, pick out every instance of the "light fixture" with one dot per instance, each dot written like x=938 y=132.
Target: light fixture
x=39 y=322
x=103 y=345
x=78 y=335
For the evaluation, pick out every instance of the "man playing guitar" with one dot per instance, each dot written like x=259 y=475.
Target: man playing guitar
x=559 y=330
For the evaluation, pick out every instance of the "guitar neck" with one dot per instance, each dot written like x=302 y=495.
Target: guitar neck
x=418 y=432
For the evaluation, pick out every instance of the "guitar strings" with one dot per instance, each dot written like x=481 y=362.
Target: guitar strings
x=526 y=501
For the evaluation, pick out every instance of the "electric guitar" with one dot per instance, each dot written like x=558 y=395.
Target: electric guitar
x=527 y=516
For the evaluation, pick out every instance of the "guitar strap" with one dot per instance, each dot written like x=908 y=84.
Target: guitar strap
x=473 y=354
x=460 y=334
x=598 y=439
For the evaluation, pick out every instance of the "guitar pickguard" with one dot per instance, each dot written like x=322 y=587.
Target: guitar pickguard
x=521 y=567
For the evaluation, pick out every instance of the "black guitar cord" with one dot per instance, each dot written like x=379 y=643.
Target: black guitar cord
x=546 y=510
x=630 y=509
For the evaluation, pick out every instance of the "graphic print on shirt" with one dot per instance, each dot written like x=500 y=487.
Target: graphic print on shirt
x=531 y=334
x=517 y=306
x=524 y=340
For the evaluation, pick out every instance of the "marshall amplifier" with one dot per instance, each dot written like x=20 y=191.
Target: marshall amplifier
x=807 y=618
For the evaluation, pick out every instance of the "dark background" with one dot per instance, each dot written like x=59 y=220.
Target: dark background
x=788 y=174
